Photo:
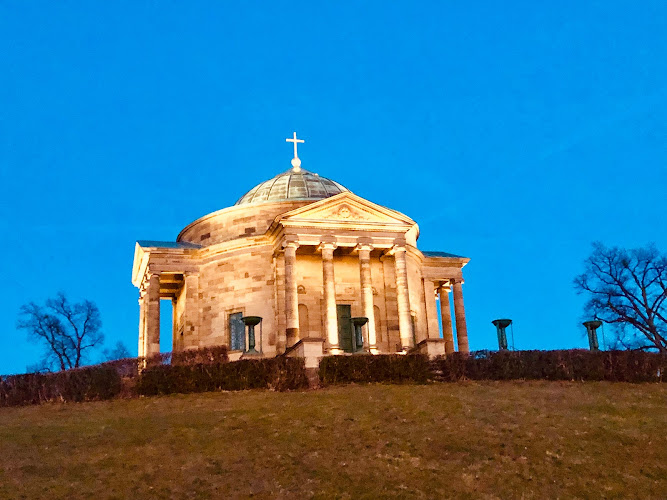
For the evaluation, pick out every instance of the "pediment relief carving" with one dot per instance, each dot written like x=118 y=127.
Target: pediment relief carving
x=345 y=212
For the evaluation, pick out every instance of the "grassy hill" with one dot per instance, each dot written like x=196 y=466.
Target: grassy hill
x=469 y=440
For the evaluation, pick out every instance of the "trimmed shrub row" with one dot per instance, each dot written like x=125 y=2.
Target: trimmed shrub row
x=360 y=368
x=203 y=355
x=103 y=381
x=209 y=370
x=82 y=384
x=280 y=374
x=575 y=364
x=130 y=367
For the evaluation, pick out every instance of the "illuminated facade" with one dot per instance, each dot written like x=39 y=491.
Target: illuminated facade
x=307 y=255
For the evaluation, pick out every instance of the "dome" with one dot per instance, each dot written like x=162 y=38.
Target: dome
x=295 y=184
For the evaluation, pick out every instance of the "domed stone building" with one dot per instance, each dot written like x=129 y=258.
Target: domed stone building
x=306 y=255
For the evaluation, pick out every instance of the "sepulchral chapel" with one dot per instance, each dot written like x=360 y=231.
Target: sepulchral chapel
x=311 y=259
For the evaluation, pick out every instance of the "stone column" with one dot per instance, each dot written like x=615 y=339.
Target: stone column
x=191 y=311
x=153 y=315
x=142 y=324
x=330 y=313
x=176 y=339
x=403 y=298
x=446 y=315
x=431 y=310
x=460 y=313
x=291 y=295
x=367 y=293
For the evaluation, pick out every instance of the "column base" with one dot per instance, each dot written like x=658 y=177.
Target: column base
x=334 y=350
x=291 y=337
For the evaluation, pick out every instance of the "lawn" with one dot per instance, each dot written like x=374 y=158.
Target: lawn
x=466 y=440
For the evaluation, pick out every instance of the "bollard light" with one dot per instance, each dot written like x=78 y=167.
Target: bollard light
x=500 y=325
x=591 y=327
x=250 y=322
x=358 y=322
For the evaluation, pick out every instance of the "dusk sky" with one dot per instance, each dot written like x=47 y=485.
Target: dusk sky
x=513 y=133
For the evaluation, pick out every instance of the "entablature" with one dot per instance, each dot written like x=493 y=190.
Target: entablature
x=158 y=259
x=443 y=269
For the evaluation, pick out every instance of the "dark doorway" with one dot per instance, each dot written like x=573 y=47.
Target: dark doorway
x=344 y=312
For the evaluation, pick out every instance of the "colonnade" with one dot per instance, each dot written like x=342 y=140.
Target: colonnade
x=326 y=248
x=443 y=289
x=149 y=302
x=149 y=311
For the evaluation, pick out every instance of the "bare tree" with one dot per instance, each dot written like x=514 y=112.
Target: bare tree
x=628 y=288
x=66 y=331
x=119 y=351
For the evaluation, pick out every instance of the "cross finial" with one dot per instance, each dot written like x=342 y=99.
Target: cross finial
x=296 y=162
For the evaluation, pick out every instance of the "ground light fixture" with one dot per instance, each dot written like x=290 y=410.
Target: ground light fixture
x=500 y=325
x=358 y=322
x=251 y=322
x=591 y=327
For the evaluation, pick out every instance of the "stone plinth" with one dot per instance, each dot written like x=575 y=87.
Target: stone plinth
x=431 y=347
x=311 y=349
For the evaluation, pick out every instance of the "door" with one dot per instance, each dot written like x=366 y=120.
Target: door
x=344 y=312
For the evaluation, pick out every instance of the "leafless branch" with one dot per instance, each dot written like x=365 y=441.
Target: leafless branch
x=65 y=330
x=628 y=287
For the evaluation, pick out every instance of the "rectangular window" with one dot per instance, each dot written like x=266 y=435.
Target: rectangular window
x=236 y=332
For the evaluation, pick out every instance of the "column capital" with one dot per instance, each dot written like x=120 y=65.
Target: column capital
x=146 y=281
x=457 y=281
x=290 y=243
x=328 y=243
x=395 y=249
x=363 y=246
x=150 y=274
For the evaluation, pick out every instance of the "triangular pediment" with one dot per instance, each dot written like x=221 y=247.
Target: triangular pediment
x=345 y=208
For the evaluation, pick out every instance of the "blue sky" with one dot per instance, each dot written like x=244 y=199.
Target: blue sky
x=515 y=133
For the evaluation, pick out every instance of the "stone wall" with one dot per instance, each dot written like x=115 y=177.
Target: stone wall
x=235 y=222
x=238 y=281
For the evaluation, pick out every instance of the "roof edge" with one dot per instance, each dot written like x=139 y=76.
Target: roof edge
x=167 y=244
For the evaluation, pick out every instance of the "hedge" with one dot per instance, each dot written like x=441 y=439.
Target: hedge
x=209 y=370
x=82 y=384
x=361 y=368
x=203 y=355
x=280 y=374
x=575 y=364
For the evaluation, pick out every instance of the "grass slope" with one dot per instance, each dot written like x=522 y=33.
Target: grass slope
x=467 y=440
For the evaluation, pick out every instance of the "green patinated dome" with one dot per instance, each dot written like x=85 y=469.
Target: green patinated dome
x=293 y=185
